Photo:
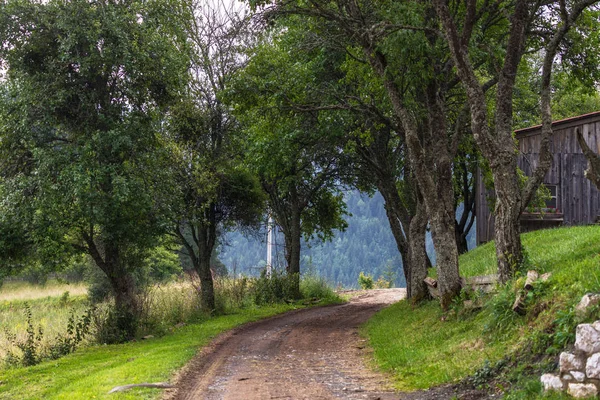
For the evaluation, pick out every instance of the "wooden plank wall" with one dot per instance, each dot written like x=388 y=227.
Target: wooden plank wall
x=579 y=200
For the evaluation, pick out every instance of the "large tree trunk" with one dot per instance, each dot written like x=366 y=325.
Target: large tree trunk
x=498 y=149
x=293 y=245
x=206 y=238
x=207 y=291
x=392 y=200
x=498 y=146
x=435 y=183
x=509 y=250
x=123 y=319
x=418 y=259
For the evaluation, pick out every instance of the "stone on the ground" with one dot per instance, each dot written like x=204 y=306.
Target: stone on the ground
x=571 y=362
x=587 y=301
x=592 y=367
x=551 y=382
x=567 y=378
x=582 y=390
x=578 y=376
x=587 y=339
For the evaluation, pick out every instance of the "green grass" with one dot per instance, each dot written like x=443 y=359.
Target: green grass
x=91 y=372
x=423 y=347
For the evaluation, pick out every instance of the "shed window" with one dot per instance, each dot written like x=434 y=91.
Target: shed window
x=552 y=201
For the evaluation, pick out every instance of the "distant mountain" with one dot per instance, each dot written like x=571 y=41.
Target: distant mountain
x=367 y=245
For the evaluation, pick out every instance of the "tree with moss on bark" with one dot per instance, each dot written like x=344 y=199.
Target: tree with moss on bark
x=514 y=29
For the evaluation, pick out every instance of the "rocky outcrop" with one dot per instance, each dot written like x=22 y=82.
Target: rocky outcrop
x=580 y=370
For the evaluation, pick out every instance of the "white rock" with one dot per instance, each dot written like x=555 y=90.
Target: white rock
x=587 y=339
x=582 y=390
x=596 y=325
x=587 y=301
x=592 y=367
x=578 y=376
x=551 y=382
x=567 y=378
x=571 y=362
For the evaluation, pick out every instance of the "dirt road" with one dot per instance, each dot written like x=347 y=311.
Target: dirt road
x=307 y=354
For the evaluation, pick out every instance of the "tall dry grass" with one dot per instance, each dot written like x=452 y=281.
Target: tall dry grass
x=20 y=290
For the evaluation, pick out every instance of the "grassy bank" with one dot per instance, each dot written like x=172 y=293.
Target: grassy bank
x=495 y=347
x=91 y=372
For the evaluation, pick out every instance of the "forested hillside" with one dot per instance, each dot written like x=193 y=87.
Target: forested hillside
x=366 y=245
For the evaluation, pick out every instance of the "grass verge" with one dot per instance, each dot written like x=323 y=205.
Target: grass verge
x=91 y=372
x=496 y=348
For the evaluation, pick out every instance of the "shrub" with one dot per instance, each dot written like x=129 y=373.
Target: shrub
x=77 y=330
x=365 y=281
x=232 y=293
x=275 y=289
x=316 y=287
x=164 y=306
x=382 y=283
x=114 y=325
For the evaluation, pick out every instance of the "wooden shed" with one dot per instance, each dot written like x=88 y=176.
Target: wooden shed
x=575 y=200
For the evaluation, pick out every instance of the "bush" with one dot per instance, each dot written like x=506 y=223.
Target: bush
x=316 y=287
x=276 y=289
x=166 y=306
x=365 y=281
x=232 y=293
x=114 y=325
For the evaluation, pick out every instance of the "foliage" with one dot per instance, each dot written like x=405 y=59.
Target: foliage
x=29 y=347
x=277 y=288
x=115 y=325
x=365 y=281
x=387 y=279
x=77 y=330
x=83 y=169
x=316 y=288
x=233 y=293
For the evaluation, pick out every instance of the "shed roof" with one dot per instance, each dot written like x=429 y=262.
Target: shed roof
x=563 y=123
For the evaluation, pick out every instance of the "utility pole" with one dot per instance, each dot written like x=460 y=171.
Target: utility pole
x=269 y=246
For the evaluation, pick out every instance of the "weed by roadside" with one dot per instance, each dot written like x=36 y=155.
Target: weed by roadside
x=31 y=350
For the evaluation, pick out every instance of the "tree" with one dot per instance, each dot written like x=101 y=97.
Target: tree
x=420 y=87
x=493 y=130
x=295 y=154
x=87 y=82
x=215 y=190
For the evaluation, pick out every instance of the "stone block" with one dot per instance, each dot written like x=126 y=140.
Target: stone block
x=587 y=339
x=582 y=390
x=592 y=366
x=578 y=376
x=587 y=301
x=552 y=382
x=571 y=362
